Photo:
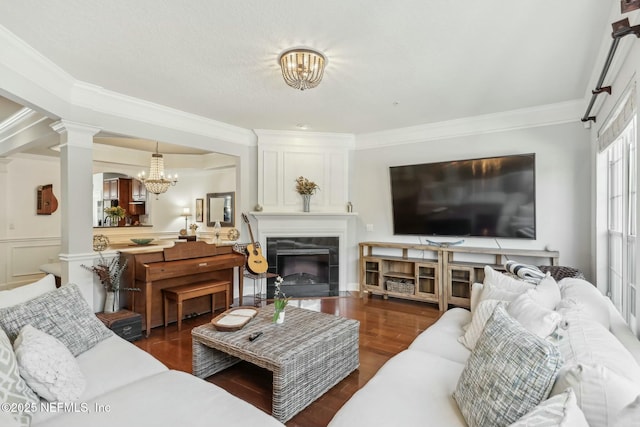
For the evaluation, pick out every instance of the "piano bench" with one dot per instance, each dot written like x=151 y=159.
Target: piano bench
x=194 y=290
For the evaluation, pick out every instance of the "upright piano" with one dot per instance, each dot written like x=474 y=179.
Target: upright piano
x=184 y=263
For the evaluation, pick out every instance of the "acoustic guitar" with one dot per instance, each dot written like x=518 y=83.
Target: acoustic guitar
x=256 y=262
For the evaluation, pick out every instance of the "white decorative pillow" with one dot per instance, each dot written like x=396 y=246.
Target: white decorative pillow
x=48 y=366
x=6 y=420
x=533 y=316
x=13 y=389
x=493 y=292
x=600 y=392
x=476 y=292
x=509 y=373
x=629 y=416
x=503 y=281
x=560 y=410
x=25 y=293
x=547 y=293
x=584 y=341
x=588 y=295
x=481 y=314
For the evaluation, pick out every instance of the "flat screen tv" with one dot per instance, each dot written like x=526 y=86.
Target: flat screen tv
x=488 y=197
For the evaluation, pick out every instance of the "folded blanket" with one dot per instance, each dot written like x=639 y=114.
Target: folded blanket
x=530 y=273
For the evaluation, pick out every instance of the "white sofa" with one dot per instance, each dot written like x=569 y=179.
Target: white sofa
x=416 y=387
x=125 y=386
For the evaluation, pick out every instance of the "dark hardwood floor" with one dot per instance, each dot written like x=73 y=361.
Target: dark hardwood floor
x=386 y=328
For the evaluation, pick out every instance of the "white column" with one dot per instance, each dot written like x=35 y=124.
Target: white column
x=76 y=199
x=4 y=225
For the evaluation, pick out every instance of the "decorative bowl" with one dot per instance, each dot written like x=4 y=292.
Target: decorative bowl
x=141 y=241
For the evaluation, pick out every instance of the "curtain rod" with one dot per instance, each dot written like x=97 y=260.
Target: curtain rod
x=621 y=29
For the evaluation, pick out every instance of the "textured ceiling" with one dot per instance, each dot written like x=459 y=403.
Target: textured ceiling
x=391 y=64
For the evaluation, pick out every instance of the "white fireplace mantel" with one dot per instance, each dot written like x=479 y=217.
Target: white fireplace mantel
x=307 y=215
x=310 y=224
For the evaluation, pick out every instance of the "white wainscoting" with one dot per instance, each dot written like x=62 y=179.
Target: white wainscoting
x=23 y=256
x=320 y=157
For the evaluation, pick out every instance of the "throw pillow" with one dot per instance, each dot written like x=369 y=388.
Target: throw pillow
x=48 y=367
x=476 y=291
x=584 y=341
x=533 y=316
x=629 y=416
x=509 y=373
x=547 y=293
x=558 y=411
x=503 y=281
x=480 y=316
x=6 y=420
x=25 y=293
x=528 y=273
x=13 y=389
x=600 y=393
x=588 y=295
x=493 y=292
x=62 y=313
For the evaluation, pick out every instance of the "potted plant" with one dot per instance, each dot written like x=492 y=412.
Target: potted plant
x=280 y=301
x=110 y=274
x=306 y=189
x=115 y=214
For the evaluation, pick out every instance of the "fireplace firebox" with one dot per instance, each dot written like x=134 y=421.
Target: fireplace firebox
x=308 y=265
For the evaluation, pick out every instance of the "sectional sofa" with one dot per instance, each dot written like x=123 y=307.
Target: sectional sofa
x=546 y=354
x=525 y=354
x=104 y=380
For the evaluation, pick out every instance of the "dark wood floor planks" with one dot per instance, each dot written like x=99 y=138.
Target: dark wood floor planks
x=386 y=328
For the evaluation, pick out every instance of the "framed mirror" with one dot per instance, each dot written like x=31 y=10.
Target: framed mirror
x=221 y=207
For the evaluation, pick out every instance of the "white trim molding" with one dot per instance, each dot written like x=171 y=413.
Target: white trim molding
x=544 y=115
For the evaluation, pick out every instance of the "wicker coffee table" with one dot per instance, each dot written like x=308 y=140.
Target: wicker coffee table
x=308 y=354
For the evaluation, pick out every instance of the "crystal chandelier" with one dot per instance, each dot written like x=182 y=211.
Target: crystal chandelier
x=302 y=68
x=156 y=182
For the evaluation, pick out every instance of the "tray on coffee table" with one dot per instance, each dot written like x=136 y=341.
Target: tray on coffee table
x=234 y=319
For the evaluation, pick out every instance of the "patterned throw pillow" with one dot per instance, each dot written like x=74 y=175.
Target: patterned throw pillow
x=509 y=373
x=13 y=389
x=63 y=314
x=558 y=411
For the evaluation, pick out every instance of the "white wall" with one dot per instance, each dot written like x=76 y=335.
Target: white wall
x=30 y=240
x=24 y=177
x=27 y=239
x=562 y=185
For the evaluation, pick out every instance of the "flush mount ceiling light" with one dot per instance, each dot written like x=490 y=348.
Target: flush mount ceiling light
x=156 y=182
x=302 y=68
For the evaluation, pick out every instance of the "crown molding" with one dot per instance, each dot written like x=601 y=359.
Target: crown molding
x=270 y=137
x=101 y=100
x=41 y=84
x=544 y=115
x=27 y=74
